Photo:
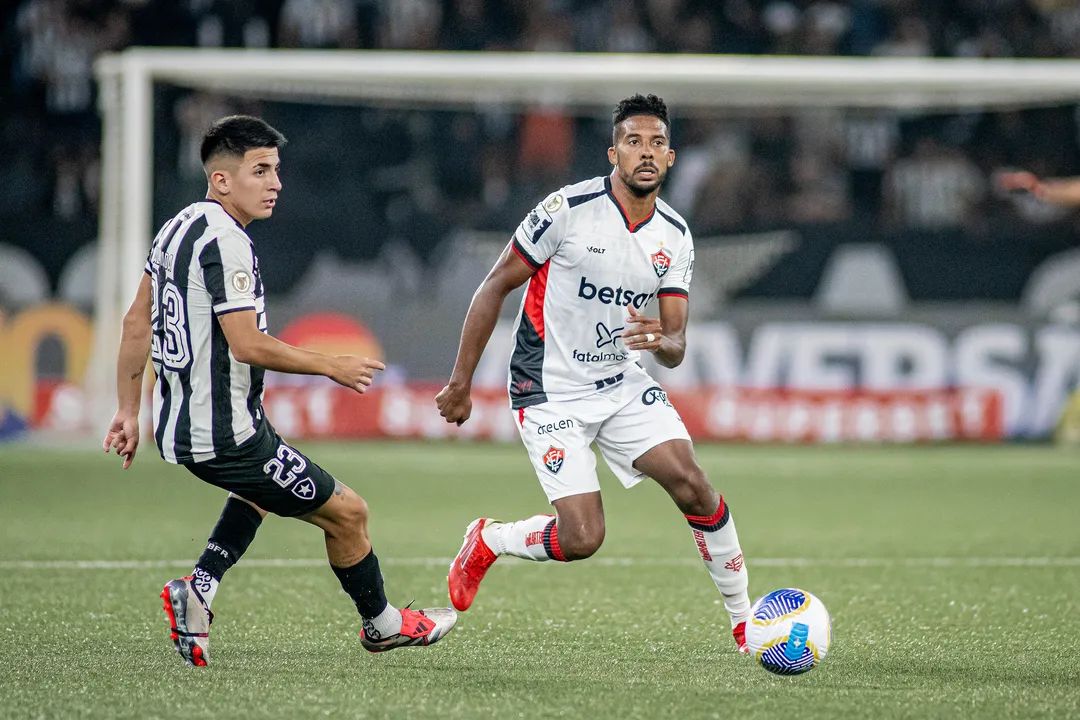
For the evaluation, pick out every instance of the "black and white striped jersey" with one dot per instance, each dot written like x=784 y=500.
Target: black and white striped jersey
x=202 y=265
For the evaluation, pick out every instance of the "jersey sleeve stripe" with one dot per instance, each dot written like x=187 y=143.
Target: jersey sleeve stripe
x=213 y=272
x=233 y=306
x=579 y=199
x=524 y=255
x=673 y=292
x=678 y=225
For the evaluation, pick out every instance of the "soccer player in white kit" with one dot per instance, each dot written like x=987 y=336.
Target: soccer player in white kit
x=594 y=255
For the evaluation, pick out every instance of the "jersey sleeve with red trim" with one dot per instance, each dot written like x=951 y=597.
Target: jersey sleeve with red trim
x=543 y=230
x=677 y=282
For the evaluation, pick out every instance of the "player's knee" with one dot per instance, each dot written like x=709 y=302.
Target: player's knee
x=352 y=513
x=693 y=493
x=582 y=541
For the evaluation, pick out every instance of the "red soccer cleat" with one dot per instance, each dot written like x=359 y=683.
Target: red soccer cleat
x=468 y=569
x=419 y=628
x=739 y=633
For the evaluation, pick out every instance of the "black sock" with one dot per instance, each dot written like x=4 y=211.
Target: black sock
x=229 y=539
x=364 y=584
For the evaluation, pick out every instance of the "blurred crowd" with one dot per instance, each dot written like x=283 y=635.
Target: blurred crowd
x=434 y=172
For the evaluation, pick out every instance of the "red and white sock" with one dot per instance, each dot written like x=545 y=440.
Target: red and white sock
x=718 y=544
x=534 y=538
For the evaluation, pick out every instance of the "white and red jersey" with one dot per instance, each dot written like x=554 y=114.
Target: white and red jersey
x=591 y=263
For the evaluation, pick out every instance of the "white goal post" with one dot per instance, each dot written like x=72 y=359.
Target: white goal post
x=477 y=79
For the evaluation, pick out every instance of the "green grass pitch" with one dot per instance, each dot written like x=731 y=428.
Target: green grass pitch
x=952 y=575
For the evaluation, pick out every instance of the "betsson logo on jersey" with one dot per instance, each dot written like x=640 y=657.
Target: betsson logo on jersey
x=608 y=296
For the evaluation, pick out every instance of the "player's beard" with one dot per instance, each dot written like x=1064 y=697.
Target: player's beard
x=643 y=189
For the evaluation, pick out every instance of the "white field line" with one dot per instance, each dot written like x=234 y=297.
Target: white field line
x=867 y=562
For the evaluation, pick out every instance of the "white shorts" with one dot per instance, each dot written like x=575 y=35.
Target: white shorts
x=626 y=420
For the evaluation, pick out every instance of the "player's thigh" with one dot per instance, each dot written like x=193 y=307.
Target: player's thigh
x=647 y=421
x=270 y=473
x=558 y=446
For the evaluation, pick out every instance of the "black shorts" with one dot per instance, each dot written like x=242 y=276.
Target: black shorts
x=270 y=473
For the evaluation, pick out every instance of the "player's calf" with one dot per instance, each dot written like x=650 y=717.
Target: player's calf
x=718 y=544
x=690 y=490
x=343 y=518
x=579 y=541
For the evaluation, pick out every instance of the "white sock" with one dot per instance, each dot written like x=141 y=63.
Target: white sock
x=206 y=584
x=718 y=544
x=386 y=623
x=529 y=539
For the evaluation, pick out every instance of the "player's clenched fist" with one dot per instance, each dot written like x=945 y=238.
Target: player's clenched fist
x=354 y=372
x=455 y=403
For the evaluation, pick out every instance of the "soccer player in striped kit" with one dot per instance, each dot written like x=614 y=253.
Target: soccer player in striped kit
x=594 y=255
x=200 y=315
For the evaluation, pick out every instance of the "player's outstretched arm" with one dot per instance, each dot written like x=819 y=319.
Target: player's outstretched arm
x=123 y=434
x=510 y=272
x=665 y=336
x=252 y=347
x=1059 y=191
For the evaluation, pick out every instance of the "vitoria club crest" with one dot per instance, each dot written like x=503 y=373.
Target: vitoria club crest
x=661 y=261
x=553 y=459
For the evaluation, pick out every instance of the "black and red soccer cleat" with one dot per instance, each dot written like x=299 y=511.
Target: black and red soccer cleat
x=468 y=569
x=419 y=628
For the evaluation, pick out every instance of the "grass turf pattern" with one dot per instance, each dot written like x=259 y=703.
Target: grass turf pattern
x=952 y=575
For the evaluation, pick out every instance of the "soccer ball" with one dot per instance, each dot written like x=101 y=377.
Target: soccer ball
x=789 y=631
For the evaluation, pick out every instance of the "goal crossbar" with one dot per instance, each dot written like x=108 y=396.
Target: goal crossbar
x=592 y=79
x=578 y=82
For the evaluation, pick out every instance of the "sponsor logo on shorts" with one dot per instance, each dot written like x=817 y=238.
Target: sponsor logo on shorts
x=546 y=428
x=553 y=459
x=653 y=395
x=585 y=356
x=304 y=489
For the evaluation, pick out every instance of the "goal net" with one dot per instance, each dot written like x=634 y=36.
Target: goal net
x=858 y=275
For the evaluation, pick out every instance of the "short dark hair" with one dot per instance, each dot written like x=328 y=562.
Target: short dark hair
x=236 y=134
x=639 y=105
